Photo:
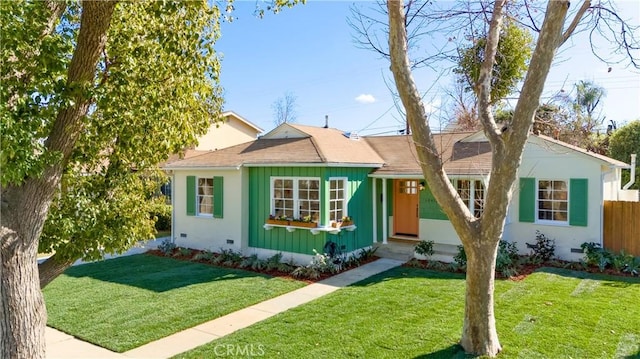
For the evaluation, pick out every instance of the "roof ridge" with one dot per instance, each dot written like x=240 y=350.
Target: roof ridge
x=323 y=158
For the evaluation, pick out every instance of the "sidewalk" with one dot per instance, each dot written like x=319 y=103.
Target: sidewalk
x=60 y=345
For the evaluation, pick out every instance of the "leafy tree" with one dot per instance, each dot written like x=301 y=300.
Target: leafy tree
x=284 y=109
x=480 y=236
x=624 y=142
x=512 y=57
x=94 y=94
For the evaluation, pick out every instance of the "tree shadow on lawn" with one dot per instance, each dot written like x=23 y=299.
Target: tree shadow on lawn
x=452 y=351
x=407 y=272
x=609 y=280
x=155 y=273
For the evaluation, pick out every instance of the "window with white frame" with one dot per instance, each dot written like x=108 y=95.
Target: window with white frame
x=204 y=197
x=337 y=199
x=553 y=200
x=472 y=192
x=295 y=197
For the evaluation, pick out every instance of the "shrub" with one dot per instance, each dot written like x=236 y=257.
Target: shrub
x=507 y=259
x=253 y=262
x=273 y=262
x=162 y=214
x=321 y=263
x=633 y=266
x=167 y=247
x=367 y=253
x=227 y=257
x=425 y=248
x=596 y=255
x=203 y=255
x=184 y=252
x=461 y=258
x=543 y=249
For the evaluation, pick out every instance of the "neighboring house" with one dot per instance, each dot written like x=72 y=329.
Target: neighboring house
x=232 y=130
x=223 y=198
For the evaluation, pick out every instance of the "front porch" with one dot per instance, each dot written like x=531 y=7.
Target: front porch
x=403 y=248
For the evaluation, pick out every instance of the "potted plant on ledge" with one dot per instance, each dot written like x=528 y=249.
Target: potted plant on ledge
x=278 y=220
x=343 y=222
x=303 y=222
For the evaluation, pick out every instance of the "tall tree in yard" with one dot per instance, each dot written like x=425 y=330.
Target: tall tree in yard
x=94 y=94
x=480 y=236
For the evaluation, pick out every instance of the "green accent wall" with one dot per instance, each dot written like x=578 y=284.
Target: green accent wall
x=429 y=207
x=359 y=207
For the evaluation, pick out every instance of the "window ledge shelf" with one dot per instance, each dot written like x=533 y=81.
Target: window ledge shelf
x=313 y=231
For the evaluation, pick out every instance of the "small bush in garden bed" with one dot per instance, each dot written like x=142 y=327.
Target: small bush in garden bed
x=425 y=248
x=322 y=266
x=543 y=249
x=167 y=247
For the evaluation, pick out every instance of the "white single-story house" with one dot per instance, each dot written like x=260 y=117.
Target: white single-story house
x=225 y=199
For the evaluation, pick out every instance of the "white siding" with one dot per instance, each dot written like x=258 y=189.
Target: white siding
x=206 y=232
x=543 y=160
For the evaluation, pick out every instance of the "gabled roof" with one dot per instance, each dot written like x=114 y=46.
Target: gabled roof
x=606 y=160
x=460 y=158
x=243 y=120
x=290 y=145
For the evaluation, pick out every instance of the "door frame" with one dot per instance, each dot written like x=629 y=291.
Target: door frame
x=414 y=188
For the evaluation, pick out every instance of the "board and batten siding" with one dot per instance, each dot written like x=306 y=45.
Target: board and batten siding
x=301 y=240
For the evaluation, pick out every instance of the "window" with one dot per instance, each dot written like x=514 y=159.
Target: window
x=553 y=200
x=337 y=199
x=472 y=194
x=408 y=187
x=295 y=197
x=204 y=198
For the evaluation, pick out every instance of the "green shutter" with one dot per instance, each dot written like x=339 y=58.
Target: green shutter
x=218 y=198
x=429 y=207
x=527 y=209
x=191 y=195
x=578 y=201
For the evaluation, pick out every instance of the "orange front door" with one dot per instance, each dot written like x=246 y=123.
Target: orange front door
x=405 y=207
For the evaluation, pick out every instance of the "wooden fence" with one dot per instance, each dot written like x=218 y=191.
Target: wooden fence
x=622 y=226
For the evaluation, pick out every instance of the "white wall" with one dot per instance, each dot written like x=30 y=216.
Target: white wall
x=439 y=231
x=547 y=161
x=206 y=232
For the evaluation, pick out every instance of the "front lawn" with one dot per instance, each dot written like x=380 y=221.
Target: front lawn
x=415 y=313
x=126 y=302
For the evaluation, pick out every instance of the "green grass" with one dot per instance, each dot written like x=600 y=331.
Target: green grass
x=125 y=302
x=416 y=313
x=163 y=233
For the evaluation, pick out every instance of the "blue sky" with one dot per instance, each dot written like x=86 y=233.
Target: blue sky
x=309 y=51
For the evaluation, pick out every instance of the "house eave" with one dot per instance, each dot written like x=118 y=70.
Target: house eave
x=314 y=164
x=200 y=168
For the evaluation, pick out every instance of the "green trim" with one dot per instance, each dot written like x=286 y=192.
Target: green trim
x=218 y=197
x=578 y=202
x=527 y=197
x=191 y=195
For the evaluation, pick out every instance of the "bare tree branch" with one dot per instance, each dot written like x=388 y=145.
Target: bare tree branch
x=576 y=20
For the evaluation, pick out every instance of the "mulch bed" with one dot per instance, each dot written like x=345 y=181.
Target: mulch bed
x=274 y=273
x=527 y=269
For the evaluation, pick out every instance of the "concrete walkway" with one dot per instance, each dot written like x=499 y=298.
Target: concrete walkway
x=60 y=345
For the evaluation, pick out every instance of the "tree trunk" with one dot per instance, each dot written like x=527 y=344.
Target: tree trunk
x=52 y=267
x=479 y=333
x=21 y=303
x=25 y=205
